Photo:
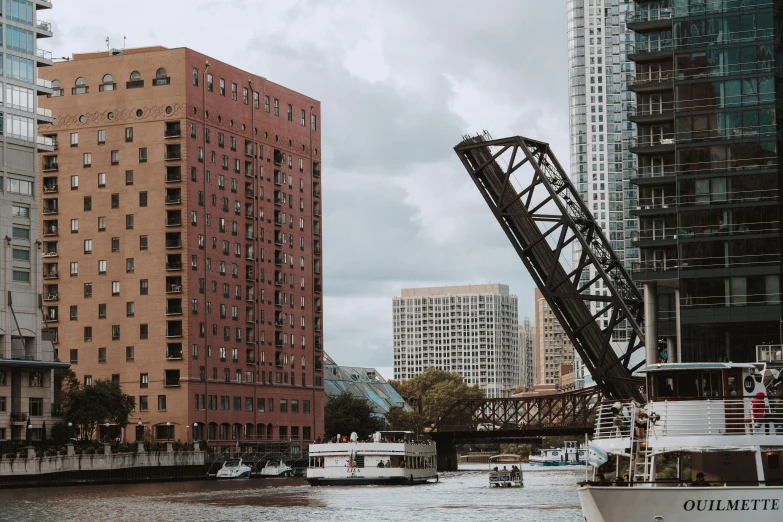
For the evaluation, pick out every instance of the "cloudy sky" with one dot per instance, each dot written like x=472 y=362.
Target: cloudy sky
x=400 y=82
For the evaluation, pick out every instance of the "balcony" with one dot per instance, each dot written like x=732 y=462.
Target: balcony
x=278 y=178
x=51 y=293
x=248 y=192
x=653 y=171
x=173 y=196
x=50 y=206
x=18 y=417
x=174 y=288
x=50 y=249
x=44 y=57
x=50 y=272
x=650 y=19
x=279 y=259
x=173 y=265
x=50 y=188
x=173 y=218
x=43 y=29
x=43 y=4
x=651 y=112
x=44 y=87
x=171 y=379
x=316 y=209
x=51 y=314
x=642 y=51
x=173 y=240
x=317 y=288
x=173 y=152
x=49 y=162
x=316 y=170
x=174 y=309
x=46 y=144
x=50 y=228
x=173 y=329
x=316 y=190
x=44 y=115
x=173 y=175
x=651 y=80
x=648 y=143
x=173 y=351
x=249 y=274
x=657 y=234
x=173 y=130
x=279 y=157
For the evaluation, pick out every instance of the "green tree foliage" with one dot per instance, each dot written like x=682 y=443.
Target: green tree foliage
x=103 y=401
x=65 y=382
x=400 y=420
x=346 y=413
x=438 y=390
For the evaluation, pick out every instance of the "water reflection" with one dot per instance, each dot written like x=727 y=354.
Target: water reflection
x=547 y=496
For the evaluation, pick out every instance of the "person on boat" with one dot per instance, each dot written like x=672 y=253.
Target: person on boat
x=495 y=468
x=380 y=463
x=388 y=463
x=599 y=478
x=759 y=410
x=700 y=482
x=640 y=420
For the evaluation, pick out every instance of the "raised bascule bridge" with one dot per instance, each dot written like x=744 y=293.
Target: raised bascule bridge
x=542 y=215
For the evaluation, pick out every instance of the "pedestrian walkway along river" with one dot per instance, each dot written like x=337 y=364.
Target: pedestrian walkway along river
x=548 y=495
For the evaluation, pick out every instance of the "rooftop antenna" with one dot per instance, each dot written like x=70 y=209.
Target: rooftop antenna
x=124 y=39
x=107 y=43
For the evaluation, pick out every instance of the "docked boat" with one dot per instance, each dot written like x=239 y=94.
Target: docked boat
x=233 y=469
x=718 y=427
x=390 y=457
x=277 y=469
x=507 y=477
x=571 y=455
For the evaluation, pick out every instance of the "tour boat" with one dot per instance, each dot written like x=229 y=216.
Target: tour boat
x=571 y=455
x=277 y=469
x=234 y=468
x=722 y=421
x=507 y=476
x=391 y=457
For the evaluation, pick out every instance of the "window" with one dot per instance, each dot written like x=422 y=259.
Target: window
x=143 y=403
x=144 y=286
x=255 y=100
x=195 y=76
x=161 y=402
x=23 y=212
x=130 y=265
x=101 y=355
x=234 y=91
x=17 y=186
x=101 y=267
x=283 y=406
x=115 y=201
x=129 y=221
x=23 y=255
x=115 y=157
x=266 y=103
x=87 y=159
x=74 y=268
x=209 y=82
x=144 y=331
x=75 y=139
x=290 y=113
x=87 y=203
x=87 y=246
x=312 y=122
x=101 y=180
x=129 y=177
x=21 y=276
x=128 y=134
x=277 y=107
x=130 y=309
x=21 y=233
x=87 y=334
x=115 y=331
x=74 y=356
x=115 y=288
x=143 y=242
x=87 y=289
x=244 y=95
x=102 y=224
x=101 y=137
x=222 y=89
x=143 y=198
x=23 y=69
x=142 y=154
x=302 y=117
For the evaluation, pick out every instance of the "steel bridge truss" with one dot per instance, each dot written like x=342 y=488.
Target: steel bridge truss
x=532 y=416
x=542 y=221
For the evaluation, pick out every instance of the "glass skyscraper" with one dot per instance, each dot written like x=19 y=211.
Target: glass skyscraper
x=707 y=175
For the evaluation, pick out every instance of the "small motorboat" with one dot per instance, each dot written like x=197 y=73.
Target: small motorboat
x=505 y=478
x=234 y=468
x=277 y=469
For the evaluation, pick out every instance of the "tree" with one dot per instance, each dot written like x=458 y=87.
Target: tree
x=102 y=402
x=438 y=390
x=400 y=420
x=65 y=382
x=346 y=413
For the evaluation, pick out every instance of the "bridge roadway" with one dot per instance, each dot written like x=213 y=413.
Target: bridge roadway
x=523 y=420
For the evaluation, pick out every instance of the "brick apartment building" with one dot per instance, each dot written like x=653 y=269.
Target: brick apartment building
x=182 y=246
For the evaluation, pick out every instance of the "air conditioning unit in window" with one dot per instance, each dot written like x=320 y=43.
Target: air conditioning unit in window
x=115 y=52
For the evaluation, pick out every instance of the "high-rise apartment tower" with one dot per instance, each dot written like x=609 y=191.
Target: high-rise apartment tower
x=527 y=353
x=181 y=223
x=27 y=359
x=471 y=330
x=553 y=347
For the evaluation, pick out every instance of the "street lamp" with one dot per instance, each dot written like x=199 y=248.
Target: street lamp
x=70 y=432
x=168 y=431
x=187 y=432
x=107 y=432
x=29 y=433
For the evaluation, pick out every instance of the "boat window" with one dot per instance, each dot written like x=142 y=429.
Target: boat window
x=688 y=384
x=711 y=384
x=664 y=385
x=232 y=463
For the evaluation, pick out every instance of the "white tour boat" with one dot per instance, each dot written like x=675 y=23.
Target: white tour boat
x=277 y=469
x=509 y=476
x=234 y=468
x=724 y=419
x=391 y=457
x=571 y=455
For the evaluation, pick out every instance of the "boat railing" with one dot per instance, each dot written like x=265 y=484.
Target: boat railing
x=692 y=417
x=674 y=483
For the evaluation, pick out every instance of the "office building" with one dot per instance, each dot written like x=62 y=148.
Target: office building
x=598 y=68
x=527 y=353
x=181 y=224
x=553 y=347
x=27 y=358
x=707 y=172
x=471 y=330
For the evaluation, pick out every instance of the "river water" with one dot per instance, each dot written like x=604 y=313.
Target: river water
x=548 y=495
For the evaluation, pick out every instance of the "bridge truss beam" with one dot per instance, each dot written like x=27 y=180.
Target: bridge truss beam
x=542 y=221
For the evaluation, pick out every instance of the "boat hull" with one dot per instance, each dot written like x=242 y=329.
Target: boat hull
x=554 y=463
x=704 y=504
x=390 y=481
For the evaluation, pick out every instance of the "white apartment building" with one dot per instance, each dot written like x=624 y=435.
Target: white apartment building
x=553 y=347
x=527 y=353
x=471 y=330
x=601 y=164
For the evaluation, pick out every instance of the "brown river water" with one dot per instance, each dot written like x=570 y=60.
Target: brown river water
x=548 y=495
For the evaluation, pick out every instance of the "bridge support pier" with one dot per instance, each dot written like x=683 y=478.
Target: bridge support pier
x=447 y=455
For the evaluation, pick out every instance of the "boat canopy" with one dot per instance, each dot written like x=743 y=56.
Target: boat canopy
x=505 y=456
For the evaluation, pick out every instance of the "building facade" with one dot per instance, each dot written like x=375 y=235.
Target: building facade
x=27 y=359
x=553 y=347
x=471 y=330
x=707 y=172
x=366 y=383
x=181 y=224
x=598 y=69
x=527 y=353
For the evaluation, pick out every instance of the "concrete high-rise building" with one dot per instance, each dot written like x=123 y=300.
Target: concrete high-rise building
x=527 y=353
x=27 y=359
x=181 y=218
x=471 y=330
x=553 y=347
x=598 y=43
x=708 y=157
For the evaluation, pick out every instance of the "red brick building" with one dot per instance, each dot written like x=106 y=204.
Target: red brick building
x=182 y=244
